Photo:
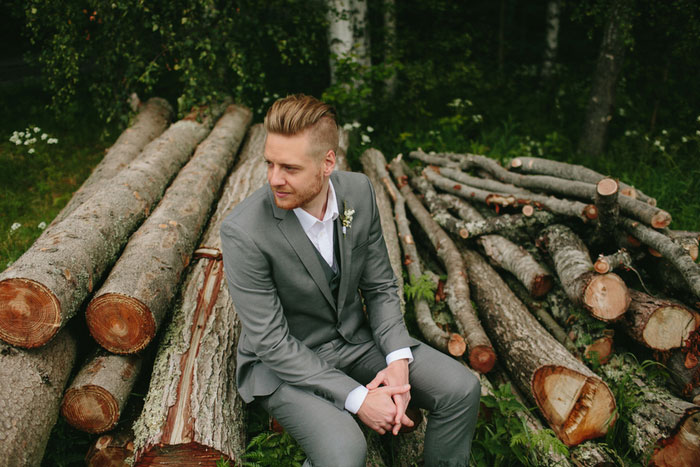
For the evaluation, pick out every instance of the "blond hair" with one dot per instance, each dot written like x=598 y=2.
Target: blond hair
x=298 y=113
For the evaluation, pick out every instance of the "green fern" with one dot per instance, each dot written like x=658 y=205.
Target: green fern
x=421 y=287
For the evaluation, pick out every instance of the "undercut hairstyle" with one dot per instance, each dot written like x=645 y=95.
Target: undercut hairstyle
x=299 y=113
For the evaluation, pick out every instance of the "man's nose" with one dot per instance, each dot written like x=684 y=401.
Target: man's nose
x=274 y=177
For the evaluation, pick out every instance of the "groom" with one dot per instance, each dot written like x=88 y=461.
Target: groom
x=323 y=336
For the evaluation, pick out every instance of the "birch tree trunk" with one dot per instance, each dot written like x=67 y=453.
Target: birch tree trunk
x=193 y=413
x=127 y=311
x=31 y=385
x=348 y=34
x=45 y=287
x=551 y=38
x=602 y=98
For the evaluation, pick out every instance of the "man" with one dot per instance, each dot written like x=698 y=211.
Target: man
x=302 y=256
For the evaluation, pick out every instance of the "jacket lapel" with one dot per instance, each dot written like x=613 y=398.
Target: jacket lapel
x=295 y=235
x=345 y=243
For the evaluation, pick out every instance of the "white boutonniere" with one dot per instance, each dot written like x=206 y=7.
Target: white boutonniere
x=346 y=218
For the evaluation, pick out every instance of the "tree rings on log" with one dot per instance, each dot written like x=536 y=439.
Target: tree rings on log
x=119 y=323
x=583 y=406
x=30 y=314
x=606 y=296
x=681 y=448
x=659 y=324
x=90 y=408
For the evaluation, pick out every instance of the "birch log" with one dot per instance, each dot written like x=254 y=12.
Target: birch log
x=576 y=403
x=96 y=397
x=46 y=286
x=368 y=159
x=127 y=311
x=150 y=121
x=481 y=354
x=192 y=413
x=604 y=295
x=31 y=385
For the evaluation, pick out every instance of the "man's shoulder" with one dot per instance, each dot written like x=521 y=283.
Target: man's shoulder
x=352 y=184
x=251 y=210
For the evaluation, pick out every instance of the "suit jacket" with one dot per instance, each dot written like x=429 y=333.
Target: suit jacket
x=283 y=299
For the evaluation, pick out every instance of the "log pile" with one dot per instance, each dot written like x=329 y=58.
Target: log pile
x=540 y=265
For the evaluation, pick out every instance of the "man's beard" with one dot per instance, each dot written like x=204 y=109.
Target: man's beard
x=301 y=198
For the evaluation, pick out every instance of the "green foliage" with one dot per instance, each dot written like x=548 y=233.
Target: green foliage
x=503 y=439
x=421 y=287
x=273 y=450
x=67 y=446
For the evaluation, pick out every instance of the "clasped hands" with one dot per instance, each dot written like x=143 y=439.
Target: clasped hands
x=384 y=408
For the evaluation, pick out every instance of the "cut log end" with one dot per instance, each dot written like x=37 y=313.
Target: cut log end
x=528 y=210
x=183 y=455
x=669 y=327
x=660 y=220
x=516 y=163
x=606 y=296
x=602 y=265
x=607 y=187
x=119 y=323
x=590 y=212
x=30 y=314
x=683 y=446
x=456 y=345
x=482 y=358
x=600 y=350
x=541 y=285
x=576 y=406
x=90 y=408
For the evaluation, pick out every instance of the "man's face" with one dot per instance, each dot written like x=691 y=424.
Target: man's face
x=295 y=176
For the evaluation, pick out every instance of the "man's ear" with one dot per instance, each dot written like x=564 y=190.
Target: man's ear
x=328 y=162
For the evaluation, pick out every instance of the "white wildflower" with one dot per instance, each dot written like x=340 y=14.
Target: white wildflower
x=657 y=142
x=628 y=133
x=365 y=139
x=52 y=141
x=15 y=226
x=697 y=132
x=266 y=99
x=347 y=127
x=664 y=132
x=698 y=119
x=662 y=148
x=37 y=129
x=44 y=136
x=468 y=102
x=356 y=124
x=26 y=142
x=18 y=142
x=20 y=134
x=31 y=151
x=477 y=118
x=41 y=226
x=684 y=139
x=370 y=129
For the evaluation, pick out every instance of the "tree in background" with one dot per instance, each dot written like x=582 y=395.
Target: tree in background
x=552 y=38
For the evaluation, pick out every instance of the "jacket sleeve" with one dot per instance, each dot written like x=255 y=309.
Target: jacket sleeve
x=380 y=291
x=258 y=305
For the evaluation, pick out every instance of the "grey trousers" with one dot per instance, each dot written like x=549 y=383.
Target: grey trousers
x=332 y=438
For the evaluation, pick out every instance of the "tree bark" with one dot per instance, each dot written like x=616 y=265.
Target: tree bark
x=602 y=98
x=670 y=250
x=658 y=324
x=506 y=254
x=45 y=287
x=96 y=397
x=684 y=369
x=576 y=403
x=604 y=295
x=370 y=166
x=151 y=121
x=348 y=34
x=659 y=425
x=607 y=204
x=607 y=263
x=481 y=354
x=444 y=341
x=390 y=48
x=539 y=166
x=31 y=385
x=192 y=412
x=112 y=449
x=551 y=39
x=129 y=308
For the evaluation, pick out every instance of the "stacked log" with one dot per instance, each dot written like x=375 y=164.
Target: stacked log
x=127 y=311
x=46 y=286
x=192 y=412
x=31 y=385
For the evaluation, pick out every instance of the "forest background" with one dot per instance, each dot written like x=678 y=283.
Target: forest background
x=610 y=84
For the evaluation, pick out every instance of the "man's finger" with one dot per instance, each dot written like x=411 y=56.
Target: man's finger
x=400 y=411
x=406 y=420
x=392 y=390
x=374 y=384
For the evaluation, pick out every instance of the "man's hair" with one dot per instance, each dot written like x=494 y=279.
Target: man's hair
x=298 y=113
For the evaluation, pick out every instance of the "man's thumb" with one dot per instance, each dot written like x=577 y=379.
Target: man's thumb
x=374 y=384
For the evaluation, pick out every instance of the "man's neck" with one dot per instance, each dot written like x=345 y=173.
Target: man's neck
x=317 y=207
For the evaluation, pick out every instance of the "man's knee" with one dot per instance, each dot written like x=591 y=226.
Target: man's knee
x=463 y=391
x=348 y=449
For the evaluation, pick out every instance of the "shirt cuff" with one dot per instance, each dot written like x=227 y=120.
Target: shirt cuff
x=399 y=354
x=355 y=399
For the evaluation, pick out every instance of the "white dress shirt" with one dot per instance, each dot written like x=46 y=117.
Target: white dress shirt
x=320 y=232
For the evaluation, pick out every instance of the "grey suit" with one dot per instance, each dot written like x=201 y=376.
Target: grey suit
x=297 y=339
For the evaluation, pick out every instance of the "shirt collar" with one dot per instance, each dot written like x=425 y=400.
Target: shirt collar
x=307 y=221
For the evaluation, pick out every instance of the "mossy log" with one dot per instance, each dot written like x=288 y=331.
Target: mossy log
x=113 y=449
x=604 y=295
x=684 y=367
x=576 y=403
x=127 y=311
x=506 y=254
x=193 y=413
x=150 y=121
x=31 y=386
x=660 y=427
x=46 y=286
x=96 y=397
x=386 y=215
x=482 y=357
